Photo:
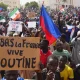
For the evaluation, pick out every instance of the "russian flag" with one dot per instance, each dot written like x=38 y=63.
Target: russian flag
x=50 y=29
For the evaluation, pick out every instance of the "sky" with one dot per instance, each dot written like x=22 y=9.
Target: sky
x=24 y=1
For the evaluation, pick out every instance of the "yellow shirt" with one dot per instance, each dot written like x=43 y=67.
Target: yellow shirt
x=67 y=73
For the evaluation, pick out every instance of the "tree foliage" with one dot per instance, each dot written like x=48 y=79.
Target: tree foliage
x=32 y=4
x=27 y=4
x=64 y=0
x=4 y=6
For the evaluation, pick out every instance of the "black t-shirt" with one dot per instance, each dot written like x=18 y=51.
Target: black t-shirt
x=77 y=73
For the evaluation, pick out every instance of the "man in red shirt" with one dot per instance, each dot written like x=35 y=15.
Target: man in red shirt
x=44 y=52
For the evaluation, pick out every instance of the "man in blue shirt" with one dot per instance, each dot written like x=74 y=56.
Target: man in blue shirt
x=12 y=75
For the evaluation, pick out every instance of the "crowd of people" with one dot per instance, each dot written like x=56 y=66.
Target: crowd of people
x=56 y=61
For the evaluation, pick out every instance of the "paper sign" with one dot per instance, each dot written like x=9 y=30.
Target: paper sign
x=69 y=27
x=32 y=24
x=15 y=26
x=18 y=53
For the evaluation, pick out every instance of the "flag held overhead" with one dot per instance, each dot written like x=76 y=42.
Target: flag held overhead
x=15 y=14
x=50 y=29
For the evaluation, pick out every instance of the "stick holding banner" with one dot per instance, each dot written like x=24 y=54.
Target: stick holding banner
x=43 y=3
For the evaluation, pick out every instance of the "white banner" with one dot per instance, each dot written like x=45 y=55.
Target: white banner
x=69 y=27
x=15 y=26
x=32 y=24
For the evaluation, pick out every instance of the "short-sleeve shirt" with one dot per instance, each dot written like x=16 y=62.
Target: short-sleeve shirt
x=67 y=73
x=44 y=56
x=64 y=52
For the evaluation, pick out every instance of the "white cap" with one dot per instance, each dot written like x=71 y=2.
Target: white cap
x=78 y=33
x=15 y=34
x=77 y=22
x=77 y=65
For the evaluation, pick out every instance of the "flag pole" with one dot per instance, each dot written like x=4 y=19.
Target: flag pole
x=43 y=3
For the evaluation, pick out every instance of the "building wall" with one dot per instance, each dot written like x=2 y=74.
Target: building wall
x=55 y=3
x=11 y=3
x=52 y=4
x=76 y=3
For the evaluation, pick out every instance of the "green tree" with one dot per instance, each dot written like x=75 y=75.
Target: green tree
x=32 y=4
x=27 y=4
x=64 y=0
x=4 y=6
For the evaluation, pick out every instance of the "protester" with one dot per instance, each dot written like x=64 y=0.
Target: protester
x=2 y=73
x=66 y=45
x=44 y=52
x=76 y=38
x=51 y=72
x=60 y=51
x=12 y=75
x=66 y=72
x=77 y=72
x=76 y=48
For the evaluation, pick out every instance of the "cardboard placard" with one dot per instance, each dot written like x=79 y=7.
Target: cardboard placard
x=18 y=53
x=15 y=26
x=31 y=14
